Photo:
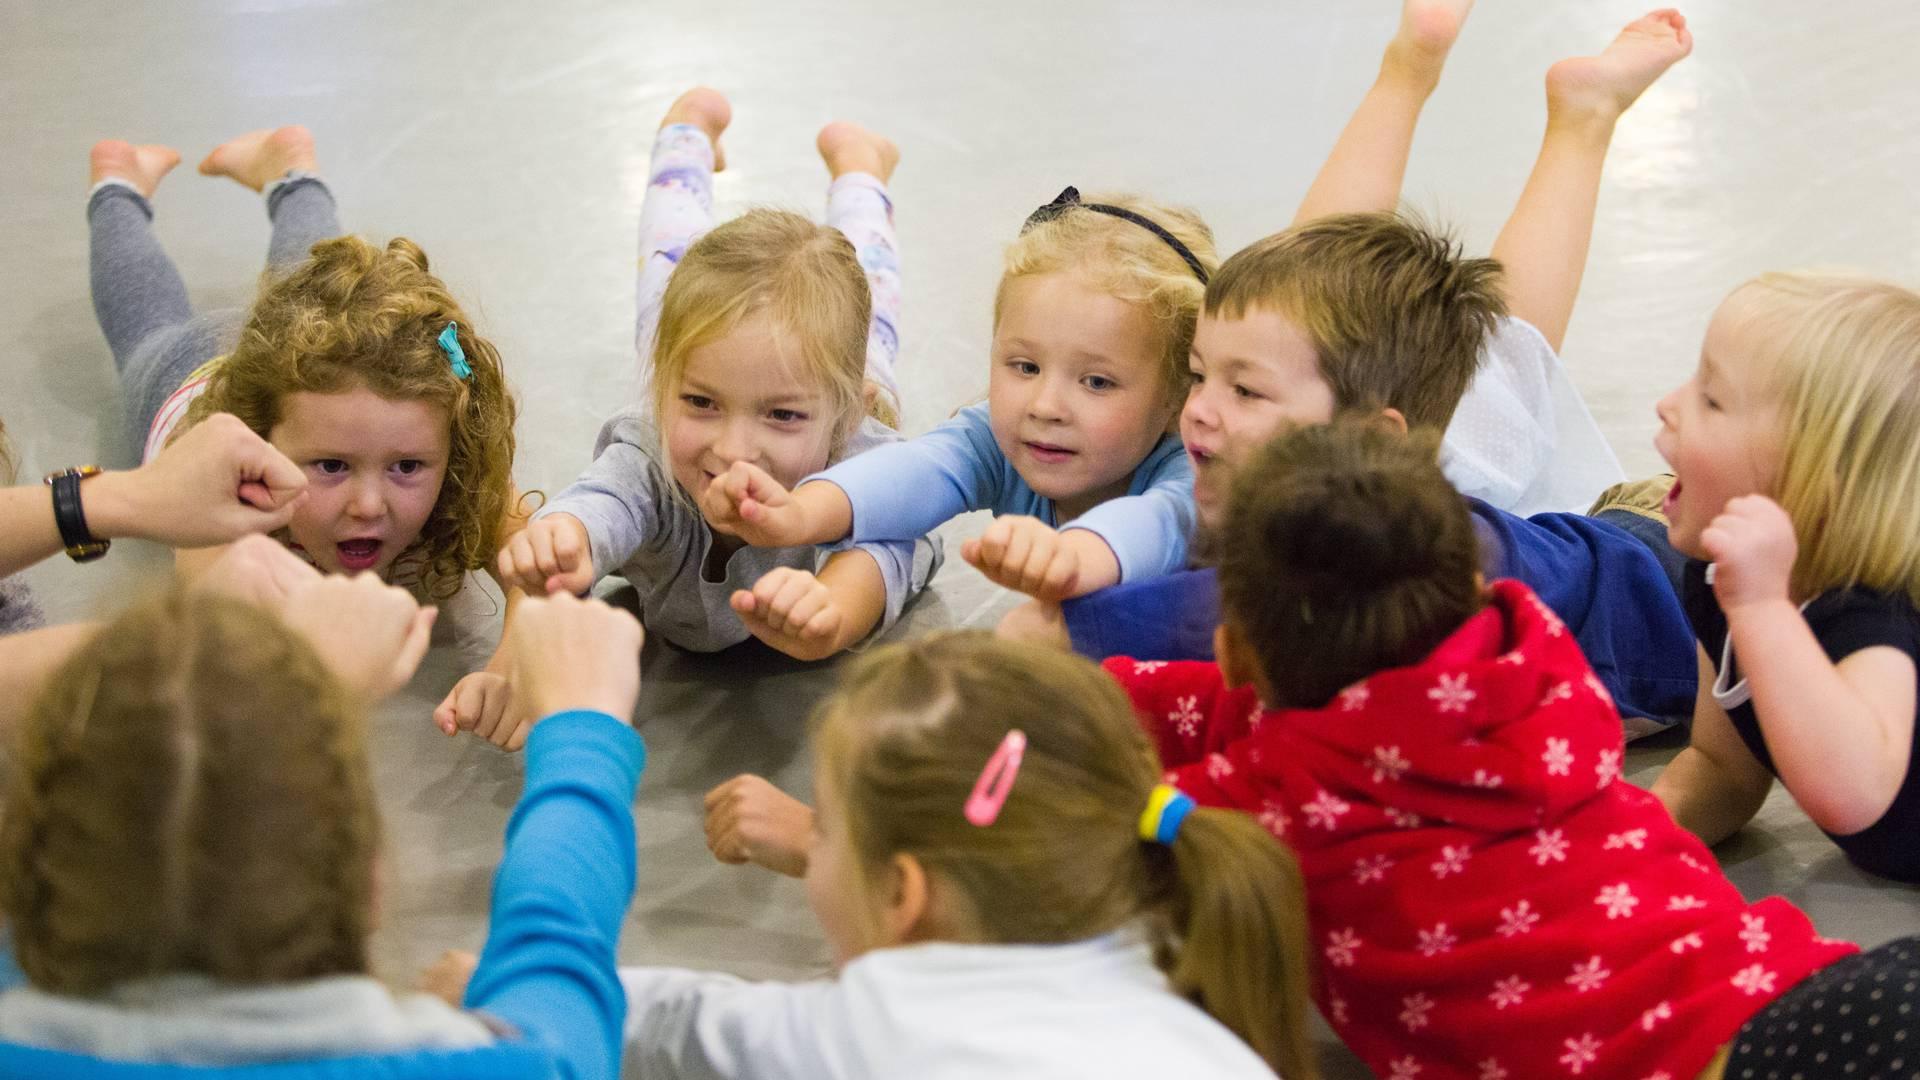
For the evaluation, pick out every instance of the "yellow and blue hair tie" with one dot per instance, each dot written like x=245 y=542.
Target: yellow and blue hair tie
x=450 y=344
x=1167 y=807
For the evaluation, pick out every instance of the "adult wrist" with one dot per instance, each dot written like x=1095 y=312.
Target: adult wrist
x=77 y=534
x=108 y=500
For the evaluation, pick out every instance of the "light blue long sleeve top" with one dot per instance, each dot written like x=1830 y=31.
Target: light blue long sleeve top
x=906 y=489
x=546 y=980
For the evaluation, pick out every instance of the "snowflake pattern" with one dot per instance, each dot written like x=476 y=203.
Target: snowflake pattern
x=1414 y=1010
x=1689 y=902
x=1371 y=869
x=1686 y=941
x=1555 y=625
x=1218 y=767
x=1274 y=819
x=1341 y=947
x=1453 y=860
x=1325 y=810
x=1607 y=769
x=1490 y=1070
x=1452 y=694
x=1517 y=920
x=1354 y=698
x=1632 y=838
x=1337 y=1005
x=1562 y=691
x=1652 y=1017
x=1599 y=689
x=1148 y=667
x=1581 y=1053
x=1589 y=976
x=1256 y=718
x=1618 y=900
x=1388 y=764
x=1558 y=757
x=1551 y=847
x=1753 y=932
x=1509 y=991
x=1484 y=779
x=1404 y=1069
x=1661 y=1075
x=1185 y=716
x=1754 y=980
x=1403 y=819
x=1436 y=941
x=1693 y=862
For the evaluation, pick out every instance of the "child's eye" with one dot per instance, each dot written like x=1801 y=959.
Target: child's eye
x=786 y=416
x=331 y=466
x=1242 y=392
x=1099 y=383
x=1024 y=367
x=1195 y=376
x=697 y=401
x=409 y=466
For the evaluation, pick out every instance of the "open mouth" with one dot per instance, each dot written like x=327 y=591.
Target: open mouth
x=1199 y=456
x=360 y=554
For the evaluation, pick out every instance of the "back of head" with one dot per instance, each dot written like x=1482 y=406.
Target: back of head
x=1844 y=359
x=1396 y=313
x=189 y=795
x=354 y=315
x=1345 y=552
x=1127 y=261
x=806 y=277
x=903 y=742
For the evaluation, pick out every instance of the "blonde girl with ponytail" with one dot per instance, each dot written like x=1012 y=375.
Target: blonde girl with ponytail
x=1008 y=889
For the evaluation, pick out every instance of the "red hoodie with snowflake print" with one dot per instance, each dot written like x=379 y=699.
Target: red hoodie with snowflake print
x=1490 y=900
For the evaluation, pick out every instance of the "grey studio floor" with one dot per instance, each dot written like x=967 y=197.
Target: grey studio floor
x=510 y=140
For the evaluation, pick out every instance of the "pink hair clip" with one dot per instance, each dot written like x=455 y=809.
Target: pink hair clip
x=996 y=780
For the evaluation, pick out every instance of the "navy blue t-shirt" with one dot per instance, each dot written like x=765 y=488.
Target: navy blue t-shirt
x=1605 y=584
x=1844 y=621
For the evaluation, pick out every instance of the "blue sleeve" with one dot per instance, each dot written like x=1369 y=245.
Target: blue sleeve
x=1166 y=618
x=1611 y=591
x=1148 y=528
x=904 y=490
x=561 y=894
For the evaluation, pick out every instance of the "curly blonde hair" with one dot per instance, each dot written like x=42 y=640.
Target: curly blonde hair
x=354 y=315
x=189 y=794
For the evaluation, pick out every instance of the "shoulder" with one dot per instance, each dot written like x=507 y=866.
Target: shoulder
x=1848 y=620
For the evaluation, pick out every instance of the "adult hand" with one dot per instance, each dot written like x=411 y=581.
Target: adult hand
x=216 y=483
x=565 y=653
x=259 y=570
x=1753 y=549
x=371 y=634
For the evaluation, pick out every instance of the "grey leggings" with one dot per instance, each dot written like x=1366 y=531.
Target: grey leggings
x=141 y=303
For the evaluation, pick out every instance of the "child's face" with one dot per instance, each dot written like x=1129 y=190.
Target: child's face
x=740 y=399
x=374 y=468
x=1252 y=376
x=835 y=888
x=1077 y=397
x=1720 y=431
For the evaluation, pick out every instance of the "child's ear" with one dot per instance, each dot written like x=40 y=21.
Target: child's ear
x=906 y=918
x=1394 y=418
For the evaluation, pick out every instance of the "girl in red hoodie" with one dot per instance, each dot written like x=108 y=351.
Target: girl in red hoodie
x=1489 y=898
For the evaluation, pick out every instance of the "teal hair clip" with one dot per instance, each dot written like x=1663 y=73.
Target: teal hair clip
x=450 y=344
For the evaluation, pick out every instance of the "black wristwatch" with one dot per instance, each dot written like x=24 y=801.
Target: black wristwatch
x=82 y=545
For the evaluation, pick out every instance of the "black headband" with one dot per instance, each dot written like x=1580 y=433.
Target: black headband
x=1070 y=198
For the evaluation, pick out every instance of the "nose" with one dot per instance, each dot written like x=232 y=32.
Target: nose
x=1668 y=408
x=735 y=442
x=368 y=500
x=1200 y=411
x=1048 y=401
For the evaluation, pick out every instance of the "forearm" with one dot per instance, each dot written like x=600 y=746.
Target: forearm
x=859 y=590
x=30 y=533
x=1705 y=798
x=30 y=658
x=825 y=512
x=1830 y=746
x=1364 y=171
x=1099 y=566
x=1543 y=246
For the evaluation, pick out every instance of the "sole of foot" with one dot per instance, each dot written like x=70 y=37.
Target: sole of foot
x=1428 y=29
x=1606 y=85
x=258 y=158
x=847 y=147
x=142 y=166
x=707 y=109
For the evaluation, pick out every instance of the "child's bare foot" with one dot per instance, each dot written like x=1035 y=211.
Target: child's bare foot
x=707 y=109
x=847 y=147
x=258 y=158
x=142 y=166
x=1604 y=86
x=1428 y=29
